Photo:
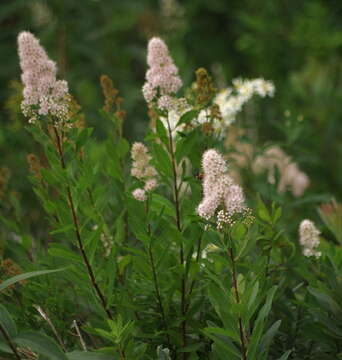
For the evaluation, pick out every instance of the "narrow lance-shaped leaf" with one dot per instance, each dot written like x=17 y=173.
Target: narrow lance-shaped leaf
x=25 y=276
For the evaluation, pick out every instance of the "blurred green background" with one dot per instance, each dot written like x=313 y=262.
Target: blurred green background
x=297 y=44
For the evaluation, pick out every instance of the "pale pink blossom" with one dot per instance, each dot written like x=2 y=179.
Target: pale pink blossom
x=218 y=187
x=150 y=184
x=162 y=76
x=43 y=93
x=166 y=102
x=213 y=164
x=149 y=92
x=234 y=199
x=139 y=194
x=291 y=177
x=207 y=208
x=142 y=170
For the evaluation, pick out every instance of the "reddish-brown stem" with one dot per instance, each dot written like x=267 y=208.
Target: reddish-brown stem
x=237 y=298
x=78 y=233
x=179 y=227
x=156 y=283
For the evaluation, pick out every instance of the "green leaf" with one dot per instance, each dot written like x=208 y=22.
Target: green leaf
x=25 y=276
x=259 y=324
x=40 y=343
x=277 y=214
x=285 y=355
x=263 y=212
x=63 y=253
x=186 y=145
x=5 y=348
x=82 y=138
x=162 y=132
x=83 y=355
x=187 y=117
x=219 y=331
x=239 y=231
x=7 y=322
x=122 y=148
x=162 y=160
x=268 y=337
x=63 y=229
x=225 y=343
x=218 y=353
x=251 y=299
x=159 y=202
x=326 y=301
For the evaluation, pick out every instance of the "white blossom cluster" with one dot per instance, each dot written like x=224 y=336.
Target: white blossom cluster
x=309 y=238
x=142 y=170
x=179 y=107
x=231 y=100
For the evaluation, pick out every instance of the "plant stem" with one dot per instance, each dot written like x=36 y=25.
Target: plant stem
x=78 y=332
x=156 y=284
x=268 y=262
x=78 y=233
x=122 y=353
x=179 y=227
x=44 y=315
x=198 y=255
x=157 y=290
x=237 y=298
x=9 y=342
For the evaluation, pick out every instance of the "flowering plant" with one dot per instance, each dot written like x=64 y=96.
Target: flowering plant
x=160 y=250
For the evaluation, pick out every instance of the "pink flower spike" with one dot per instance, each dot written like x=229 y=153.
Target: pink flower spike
x=43 y=93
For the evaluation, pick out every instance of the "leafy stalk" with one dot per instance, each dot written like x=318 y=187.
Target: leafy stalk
x=198 y=256
x=77 y=230
x=179 y=227
x=237 y=299
x=156 y=283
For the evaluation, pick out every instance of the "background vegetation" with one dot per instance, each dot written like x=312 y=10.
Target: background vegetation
x=298 y=45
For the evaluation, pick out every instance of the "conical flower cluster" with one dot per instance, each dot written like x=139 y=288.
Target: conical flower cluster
x=219 y=188
x=142 y=170
x=43 y=93
x=309 y=238
x=162 y=79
